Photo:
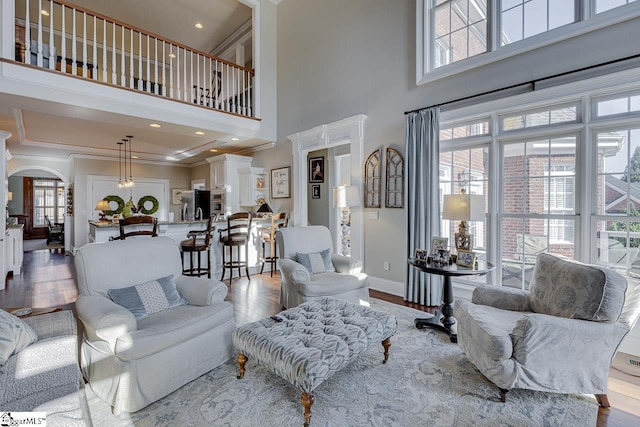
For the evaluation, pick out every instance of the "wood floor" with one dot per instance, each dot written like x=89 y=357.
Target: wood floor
x=49 y=280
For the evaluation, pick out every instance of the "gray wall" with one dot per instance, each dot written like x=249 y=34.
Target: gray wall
x=340 y=58
x=16 y=185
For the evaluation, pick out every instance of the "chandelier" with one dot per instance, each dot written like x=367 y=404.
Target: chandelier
x=124 y=181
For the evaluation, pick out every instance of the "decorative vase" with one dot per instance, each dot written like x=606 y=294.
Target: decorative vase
x=127 y=211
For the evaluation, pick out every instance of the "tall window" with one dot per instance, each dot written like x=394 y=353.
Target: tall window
x=566 y=181
x=48 y=199
x=520 y=19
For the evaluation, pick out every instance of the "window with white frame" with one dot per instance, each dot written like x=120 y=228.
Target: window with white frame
x=453 y=32
x=569 y=186
x=48 y=199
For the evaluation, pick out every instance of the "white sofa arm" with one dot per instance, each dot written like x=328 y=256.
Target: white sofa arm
x=104 y=320
x=346 y=264
x=502 y=297
x=294 y=272
x=200 y=291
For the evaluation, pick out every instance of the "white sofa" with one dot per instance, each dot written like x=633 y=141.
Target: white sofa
x=348 y=282
x=129 y=362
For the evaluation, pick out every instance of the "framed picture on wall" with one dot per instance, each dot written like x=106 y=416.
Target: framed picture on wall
x=316 y=169
x=281 y=183
x=315 y=191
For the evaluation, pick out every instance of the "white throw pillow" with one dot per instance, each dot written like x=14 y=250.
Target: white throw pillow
x=15 y=335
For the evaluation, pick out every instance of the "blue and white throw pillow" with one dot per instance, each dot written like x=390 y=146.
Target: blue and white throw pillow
x=148 y=298
x=316 y=262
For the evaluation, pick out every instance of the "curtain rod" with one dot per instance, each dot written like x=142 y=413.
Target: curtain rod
x=531 y=83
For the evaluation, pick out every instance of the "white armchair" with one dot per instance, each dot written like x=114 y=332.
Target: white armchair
x=332 y=275
x=559 y=337
x=130 y=362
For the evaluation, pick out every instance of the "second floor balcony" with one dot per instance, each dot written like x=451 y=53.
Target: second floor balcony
x=69 y=40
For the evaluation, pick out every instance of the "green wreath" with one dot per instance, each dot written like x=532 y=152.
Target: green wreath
x=116 y=199
x=143 y=209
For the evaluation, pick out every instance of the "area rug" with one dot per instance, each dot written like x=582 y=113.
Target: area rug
x=427 y=382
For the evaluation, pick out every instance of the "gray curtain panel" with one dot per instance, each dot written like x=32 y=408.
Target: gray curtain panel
x=422 y=181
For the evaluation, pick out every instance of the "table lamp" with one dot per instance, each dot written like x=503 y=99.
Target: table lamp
x=103 y=206
x=463 y=207
x=345 y=197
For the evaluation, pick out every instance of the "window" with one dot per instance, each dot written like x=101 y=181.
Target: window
x=456 y=35
x=565 y=181
x=465 y=130
x=520 y=19
x=48 y=199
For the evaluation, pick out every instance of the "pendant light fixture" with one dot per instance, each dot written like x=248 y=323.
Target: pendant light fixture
x=120 y=182
x=131 y=183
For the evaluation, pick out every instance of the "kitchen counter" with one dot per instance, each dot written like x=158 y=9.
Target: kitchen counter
x=109 y=224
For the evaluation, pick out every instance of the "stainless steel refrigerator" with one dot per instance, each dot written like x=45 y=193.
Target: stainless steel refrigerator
x=196 y=204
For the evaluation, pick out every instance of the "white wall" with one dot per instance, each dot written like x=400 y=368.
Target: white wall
x=337 y=59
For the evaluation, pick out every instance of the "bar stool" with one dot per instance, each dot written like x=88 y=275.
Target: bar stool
x=267 y=235
x=237 y=235
x=198 y=241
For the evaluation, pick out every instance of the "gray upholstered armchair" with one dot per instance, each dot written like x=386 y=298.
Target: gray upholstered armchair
x=310 y=270
x=560 y=336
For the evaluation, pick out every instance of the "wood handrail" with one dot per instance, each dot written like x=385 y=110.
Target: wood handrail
x=145 y=32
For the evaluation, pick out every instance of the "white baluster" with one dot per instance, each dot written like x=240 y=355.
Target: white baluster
x=250 y=102
x=217 y=88
x=39 y=61
x=84 y=44
x=178 y=72
x=27 y=36
x=123 y=59
x=131 y=60
x=139 y=61
x=184 y=76
x=191 y=75
x=114 y=74
x=200 y=90
x=74 y=48
x=170 y=70
x=148 y=67
x=63 y=42
x=94 y=73
x=105 y=76
x=155 y=57
x=52 y=49
x=164 y=81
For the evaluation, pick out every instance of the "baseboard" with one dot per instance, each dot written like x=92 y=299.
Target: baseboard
x=386 y=286
x=627 y=363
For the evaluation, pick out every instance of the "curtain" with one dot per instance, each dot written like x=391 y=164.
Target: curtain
x=422 y=183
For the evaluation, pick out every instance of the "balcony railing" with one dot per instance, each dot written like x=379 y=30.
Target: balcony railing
x=51 y=34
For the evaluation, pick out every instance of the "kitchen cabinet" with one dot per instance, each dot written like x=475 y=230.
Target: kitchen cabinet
x=224 y=176
x=14 y=249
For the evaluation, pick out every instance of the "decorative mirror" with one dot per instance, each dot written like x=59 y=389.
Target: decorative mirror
x=394 y=196
x=372 y=179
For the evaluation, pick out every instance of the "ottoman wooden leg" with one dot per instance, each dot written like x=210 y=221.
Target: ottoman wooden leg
x=307 y=400
x=386 y=344
x=242 y=360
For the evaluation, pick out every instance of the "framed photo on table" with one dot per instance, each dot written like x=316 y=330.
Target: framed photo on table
x=281 y=183
x=439 y=244
x=466 y=259
x=316 y=169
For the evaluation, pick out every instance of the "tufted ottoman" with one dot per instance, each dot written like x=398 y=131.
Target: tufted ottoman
x=309 y=343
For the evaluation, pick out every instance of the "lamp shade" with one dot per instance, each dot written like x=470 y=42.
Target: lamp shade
x=463 y=207
x=10 y=196
x=103 y=205
x=264 y=208
x=346 y=196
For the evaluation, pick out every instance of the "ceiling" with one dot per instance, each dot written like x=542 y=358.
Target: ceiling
x=59 y=130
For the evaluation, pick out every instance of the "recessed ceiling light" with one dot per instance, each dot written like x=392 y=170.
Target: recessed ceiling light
x=199 y=26
x=135 y=157
x=172 y=55
x=44 y=12
x=235 y=139
x=213 y=150
x=199 y=132
x=171 y=158
x=155 y=125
